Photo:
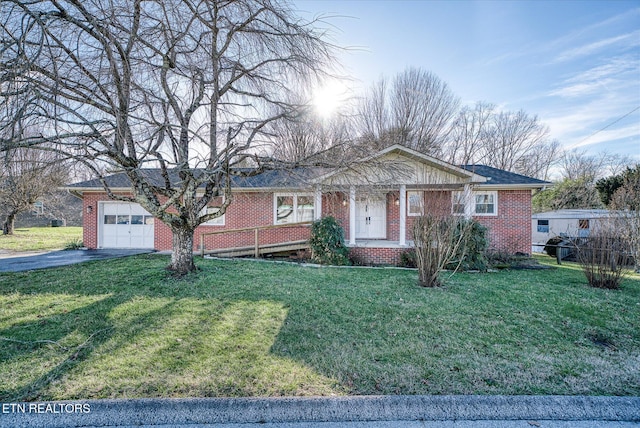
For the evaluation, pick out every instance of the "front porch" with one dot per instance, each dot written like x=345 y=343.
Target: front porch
x=382 y=217
x=380 y=243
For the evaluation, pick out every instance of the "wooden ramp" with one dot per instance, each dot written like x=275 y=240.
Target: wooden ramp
x=257 y=249
x=263 y=250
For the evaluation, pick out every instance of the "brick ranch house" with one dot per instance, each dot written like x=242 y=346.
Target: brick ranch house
x=374 y=201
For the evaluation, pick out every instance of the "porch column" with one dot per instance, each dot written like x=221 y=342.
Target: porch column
x=403 y=215
x=468 y=201
x=317 y=213
x=352 y=215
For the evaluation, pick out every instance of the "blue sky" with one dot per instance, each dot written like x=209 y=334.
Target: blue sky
x=574 y=64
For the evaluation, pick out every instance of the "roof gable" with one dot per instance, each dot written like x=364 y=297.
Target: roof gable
x=400 y=165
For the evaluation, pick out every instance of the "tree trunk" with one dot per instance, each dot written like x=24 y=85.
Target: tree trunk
x=9 y=222
x=182 y=251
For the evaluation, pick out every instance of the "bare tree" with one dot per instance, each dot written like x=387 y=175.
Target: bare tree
x=578 y=165
x=307 y=135
x=511 y=138
x=538 y=162
x=27 y=176
x=600 y=256
x=617 y=163
x=439 y=238
x=187 y=87
x=373 y=114
x=466 y=141
x=514 y=142
x=415 y=110
x=626 y=200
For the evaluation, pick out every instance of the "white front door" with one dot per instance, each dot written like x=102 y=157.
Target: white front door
x=125 y=225
x=371 y=217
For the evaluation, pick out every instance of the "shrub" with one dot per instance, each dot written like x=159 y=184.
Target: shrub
x=75 y=244
x=472 y=254
x=408 y=258
x=438 y=239
x=327 y=242
x=601 y=258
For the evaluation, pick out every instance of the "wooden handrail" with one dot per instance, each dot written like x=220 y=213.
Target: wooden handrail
x=256 y=229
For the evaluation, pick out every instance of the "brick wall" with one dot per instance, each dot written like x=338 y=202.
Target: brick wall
x=376 y=256
x=510 y=230
x=393 y=216
x=90 y=220
x=336 y=205
x=246 y=210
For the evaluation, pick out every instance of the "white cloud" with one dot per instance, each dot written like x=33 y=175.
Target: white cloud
x=583 y=126
x=627 y=40
x=615 y=67
x=571 y=38
x=606 y=136
x=581 y=89
x=618 y=76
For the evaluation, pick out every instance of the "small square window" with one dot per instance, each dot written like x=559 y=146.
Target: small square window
x=109 y=219
x=485 y=203
x=583 y=224
x=543 y=226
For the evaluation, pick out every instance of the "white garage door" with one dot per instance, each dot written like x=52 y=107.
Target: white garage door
x=125 y=225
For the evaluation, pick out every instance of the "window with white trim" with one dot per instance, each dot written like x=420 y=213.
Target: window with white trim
x=415 y=203
x=293 y=208
x=212 y=208
x=457 y=204
x=483 y=203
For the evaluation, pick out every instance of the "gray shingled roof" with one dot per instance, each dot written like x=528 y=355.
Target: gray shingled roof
x=500 y=176
x=266 y=179
x=297 y=177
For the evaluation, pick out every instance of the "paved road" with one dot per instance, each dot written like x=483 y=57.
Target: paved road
x=334 y=412
x=60 y=258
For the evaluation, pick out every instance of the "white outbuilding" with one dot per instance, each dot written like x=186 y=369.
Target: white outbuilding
x=570 y=223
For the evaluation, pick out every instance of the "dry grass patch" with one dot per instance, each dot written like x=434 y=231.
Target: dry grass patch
x=40 y=239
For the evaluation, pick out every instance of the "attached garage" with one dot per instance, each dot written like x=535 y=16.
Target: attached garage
x=124 y=225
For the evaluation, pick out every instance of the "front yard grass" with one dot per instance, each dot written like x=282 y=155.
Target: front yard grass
x=124 y=328
x=40 y=238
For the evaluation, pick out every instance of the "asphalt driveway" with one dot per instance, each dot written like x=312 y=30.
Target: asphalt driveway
x=61 y=258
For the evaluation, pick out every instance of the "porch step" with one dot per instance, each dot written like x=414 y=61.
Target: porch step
x=264 y=249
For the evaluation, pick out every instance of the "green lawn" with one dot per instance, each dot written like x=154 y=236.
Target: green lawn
x=40 y=238
x=124 y=328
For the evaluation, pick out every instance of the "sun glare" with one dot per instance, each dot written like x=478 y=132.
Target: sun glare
x=329 y=98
